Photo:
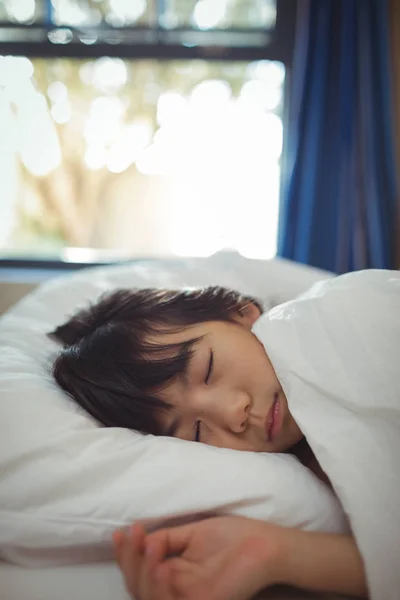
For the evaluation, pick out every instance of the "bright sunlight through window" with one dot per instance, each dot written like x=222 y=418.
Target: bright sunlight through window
x=150 y=158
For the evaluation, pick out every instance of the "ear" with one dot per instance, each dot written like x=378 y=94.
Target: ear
x=247 y=315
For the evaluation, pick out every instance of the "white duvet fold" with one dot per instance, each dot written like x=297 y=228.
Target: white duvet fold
x=336 y=352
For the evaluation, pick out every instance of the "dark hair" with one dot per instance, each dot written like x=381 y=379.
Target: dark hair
x=110 y=366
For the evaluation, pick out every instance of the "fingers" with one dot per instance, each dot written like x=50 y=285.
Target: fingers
x=118 y=540
x=148 y=582
x=139 y=559
x=171 y=541
x=129 y=550
x=155 y=575
x=136 y=542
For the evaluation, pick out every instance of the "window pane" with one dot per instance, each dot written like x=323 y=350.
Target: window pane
x=144 y=157
x=207 y=14
x=202 y=14
x=117 y=13
x=22 y=11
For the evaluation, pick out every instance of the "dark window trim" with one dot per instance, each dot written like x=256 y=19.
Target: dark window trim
x=159 y=52
x=145 y=51
x=158 y=42
x=43 y=264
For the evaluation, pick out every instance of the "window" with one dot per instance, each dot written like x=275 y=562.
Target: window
x=137 y=128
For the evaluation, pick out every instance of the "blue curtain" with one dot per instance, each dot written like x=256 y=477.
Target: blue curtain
x=339 y=192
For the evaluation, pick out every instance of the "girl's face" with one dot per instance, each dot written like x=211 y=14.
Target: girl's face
x=230 y=396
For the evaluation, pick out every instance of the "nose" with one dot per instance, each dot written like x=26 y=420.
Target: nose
x=237 y=411
x=224 y=408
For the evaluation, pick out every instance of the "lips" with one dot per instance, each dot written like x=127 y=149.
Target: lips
x=271 y=421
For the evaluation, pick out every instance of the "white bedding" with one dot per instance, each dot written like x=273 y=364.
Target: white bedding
x=100 y=581
x=275 y=281
x=336 y=354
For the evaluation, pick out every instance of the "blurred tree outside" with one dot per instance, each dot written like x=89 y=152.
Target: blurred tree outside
x=106 y=153
x=204 y=14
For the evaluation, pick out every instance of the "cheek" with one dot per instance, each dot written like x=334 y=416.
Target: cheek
x=293 y=431
x=262 y=370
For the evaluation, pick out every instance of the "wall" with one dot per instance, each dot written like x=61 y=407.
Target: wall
x=11 y=292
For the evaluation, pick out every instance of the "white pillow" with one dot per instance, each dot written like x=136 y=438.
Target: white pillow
x=67 y=483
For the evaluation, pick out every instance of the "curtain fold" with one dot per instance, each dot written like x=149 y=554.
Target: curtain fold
x=339 y=202
x=394 y=20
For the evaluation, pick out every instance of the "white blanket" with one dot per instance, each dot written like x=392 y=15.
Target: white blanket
x=336 y=352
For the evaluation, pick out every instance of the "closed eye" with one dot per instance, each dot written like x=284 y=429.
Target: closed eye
x=210 y=368
x=197 y=436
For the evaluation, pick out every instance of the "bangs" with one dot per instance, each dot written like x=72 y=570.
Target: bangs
x=130 y=372
x=159 y=364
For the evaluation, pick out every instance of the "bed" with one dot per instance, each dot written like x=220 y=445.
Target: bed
x=100 y=581
x=274 y=281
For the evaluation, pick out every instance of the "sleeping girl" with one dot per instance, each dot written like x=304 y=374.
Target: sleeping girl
x=188 y=364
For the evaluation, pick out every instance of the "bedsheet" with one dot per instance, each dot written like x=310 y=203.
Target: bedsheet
x=98 y=581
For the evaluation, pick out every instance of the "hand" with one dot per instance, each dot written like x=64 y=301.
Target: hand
x=224 y=558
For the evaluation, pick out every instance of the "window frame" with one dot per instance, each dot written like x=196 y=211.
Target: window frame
x=163 y=44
